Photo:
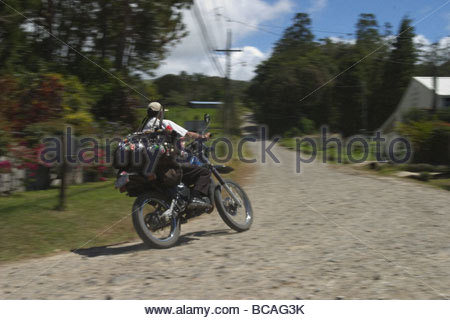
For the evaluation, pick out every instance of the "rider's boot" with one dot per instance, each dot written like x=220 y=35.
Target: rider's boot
x=199 y=202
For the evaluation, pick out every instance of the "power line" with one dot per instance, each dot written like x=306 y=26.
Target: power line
x=312 y=29
x=225 y=8
x=206 y=40
x=393 y=61
x=219 y=19
x=228 y=107
x=374 y=51
x=209 y=31
x=252 y=26
x=258 y=27
x=335 y=32
x=76 y=51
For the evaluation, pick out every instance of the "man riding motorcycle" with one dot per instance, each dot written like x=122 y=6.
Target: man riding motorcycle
x=192 y=174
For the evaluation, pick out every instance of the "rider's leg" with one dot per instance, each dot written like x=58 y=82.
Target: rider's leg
x=200 y=178
x=197 y=176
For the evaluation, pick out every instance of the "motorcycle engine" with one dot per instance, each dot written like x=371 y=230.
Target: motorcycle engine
x=183 y=195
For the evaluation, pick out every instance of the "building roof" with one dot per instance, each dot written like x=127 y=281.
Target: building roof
x=205 y=102
x=443 y=84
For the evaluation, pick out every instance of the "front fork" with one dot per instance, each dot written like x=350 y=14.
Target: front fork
x=224 y=185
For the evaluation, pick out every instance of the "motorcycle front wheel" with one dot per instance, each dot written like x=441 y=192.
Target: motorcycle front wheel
x=155 y=231
x=237 y=217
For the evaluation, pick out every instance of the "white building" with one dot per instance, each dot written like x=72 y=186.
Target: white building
x=419 y=95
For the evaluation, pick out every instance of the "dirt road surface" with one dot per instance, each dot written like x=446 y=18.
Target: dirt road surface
x=326 y=233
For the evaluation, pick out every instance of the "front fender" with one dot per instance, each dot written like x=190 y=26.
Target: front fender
x=223 y=169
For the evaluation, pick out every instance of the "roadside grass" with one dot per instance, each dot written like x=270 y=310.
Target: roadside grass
x=425 y=173
x=182 y=114
x=441 y=183
x=386 y=169
x=240 y=169
x=30 y=227
x=425 y=177
x=332 y=152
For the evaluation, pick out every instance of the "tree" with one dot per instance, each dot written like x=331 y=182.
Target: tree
x=368 y=81
x=367 y=33
x=13 y=41
x=397 y=73
x=133 y=34
x=298 y=36
x=286 y=77
x=348 y=97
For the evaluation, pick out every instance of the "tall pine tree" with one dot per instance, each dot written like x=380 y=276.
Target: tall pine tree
x=398 y=71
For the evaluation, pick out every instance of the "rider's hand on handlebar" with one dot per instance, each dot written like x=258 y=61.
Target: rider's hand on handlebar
x=207 y=135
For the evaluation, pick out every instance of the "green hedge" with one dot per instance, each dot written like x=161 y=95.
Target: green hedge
x=430 y=139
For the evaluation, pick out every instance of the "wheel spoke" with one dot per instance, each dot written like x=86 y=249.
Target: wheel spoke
x=239 y=214
x=153 y=222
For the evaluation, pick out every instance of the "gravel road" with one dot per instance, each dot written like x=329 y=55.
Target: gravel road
x=327 y=233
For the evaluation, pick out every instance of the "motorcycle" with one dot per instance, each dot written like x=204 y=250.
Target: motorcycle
x=159 y=210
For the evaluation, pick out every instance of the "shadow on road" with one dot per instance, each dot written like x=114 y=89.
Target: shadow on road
x=110 y=250
x=135 y=247
x=188 y=237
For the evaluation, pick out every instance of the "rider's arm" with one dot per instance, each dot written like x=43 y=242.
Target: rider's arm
x=182 y=132
x=194 y=135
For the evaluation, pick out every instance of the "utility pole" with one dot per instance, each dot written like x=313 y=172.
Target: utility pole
x=435 y=94
x=63 y=174
x=435 y=80
x=364 y=108
x=228 y=108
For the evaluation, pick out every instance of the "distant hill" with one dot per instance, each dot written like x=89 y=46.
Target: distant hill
x=179 y=89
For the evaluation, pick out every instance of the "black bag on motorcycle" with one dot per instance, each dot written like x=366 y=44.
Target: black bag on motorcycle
x=145 y=160
x=135 y=157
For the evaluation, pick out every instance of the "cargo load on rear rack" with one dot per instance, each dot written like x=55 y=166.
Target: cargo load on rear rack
x=148 y=154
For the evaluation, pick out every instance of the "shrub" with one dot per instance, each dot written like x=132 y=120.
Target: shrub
x=430 y=140
x=307 y=126
x=292 y=133
x=424 y=176
x=5 y=166
x=418 y=167
x=5 y=139
x=443 y=115
x=415 y=115
x=76 y=105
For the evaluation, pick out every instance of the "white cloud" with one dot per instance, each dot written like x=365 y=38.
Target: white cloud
x=342 y=40
x=189 y=55
x=444 y=43
x=425 y=44
x=246 y=62
x=421 y=41
x=318 y=5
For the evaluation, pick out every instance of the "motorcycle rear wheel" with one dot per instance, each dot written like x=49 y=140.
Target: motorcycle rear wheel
x=155 y=232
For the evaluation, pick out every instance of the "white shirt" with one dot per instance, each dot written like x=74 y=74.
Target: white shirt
x=153 y=122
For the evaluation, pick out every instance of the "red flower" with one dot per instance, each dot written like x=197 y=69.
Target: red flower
x=101 y=168
x=5 y=165
x=32 y=166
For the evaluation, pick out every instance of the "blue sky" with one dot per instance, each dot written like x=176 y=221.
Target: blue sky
x=258 y=24
x=342 y=15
